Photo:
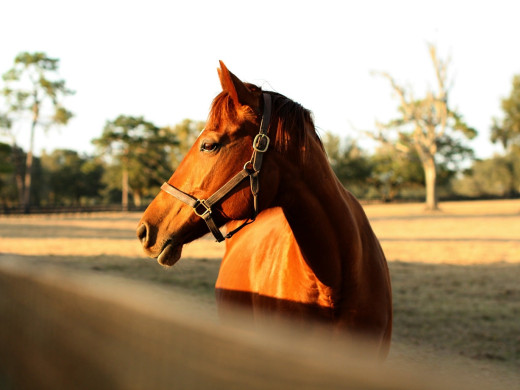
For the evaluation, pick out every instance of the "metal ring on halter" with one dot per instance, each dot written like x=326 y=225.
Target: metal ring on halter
x=249 y=167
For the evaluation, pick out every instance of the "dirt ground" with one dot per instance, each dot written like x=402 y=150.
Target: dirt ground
x=462 y=233
x=455 y=274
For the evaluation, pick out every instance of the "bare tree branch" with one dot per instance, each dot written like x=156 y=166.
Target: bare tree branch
x=424 y=121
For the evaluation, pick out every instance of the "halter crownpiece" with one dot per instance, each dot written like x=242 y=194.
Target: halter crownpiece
x=203 y=207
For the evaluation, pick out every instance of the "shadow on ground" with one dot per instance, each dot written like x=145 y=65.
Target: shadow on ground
x=195 y=277
x=64 y=231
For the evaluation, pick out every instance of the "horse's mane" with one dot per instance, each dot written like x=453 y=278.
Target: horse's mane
x=291 y=123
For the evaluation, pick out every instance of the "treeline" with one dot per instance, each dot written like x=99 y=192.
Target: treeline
x=149 y=155
x=134 y=157
x=387 y=175
x=423 y=153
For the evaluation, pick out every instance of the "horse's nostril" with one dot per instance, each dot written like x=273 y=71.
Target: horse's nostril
x=142 y=233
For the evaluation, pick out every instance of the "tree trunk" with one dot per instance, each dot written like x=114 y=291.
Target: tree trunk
x=137 y=198
x=124 y=200
x=430 y=173
x=29 y=166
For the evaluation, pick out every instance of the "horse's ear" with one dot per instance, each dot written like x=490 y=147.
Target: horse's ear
x=236 y=89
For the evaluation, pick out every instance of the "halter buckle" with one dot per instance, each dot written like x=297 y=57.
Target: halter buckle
x=258 y=140
x=207 y=209
x=249 y=167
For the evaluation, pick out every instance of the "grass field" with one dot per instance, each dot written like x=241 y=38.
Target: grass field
x=455 y=274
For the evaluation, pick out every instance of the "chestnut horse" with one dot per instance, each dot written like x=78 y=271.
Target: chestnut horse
x=298 y=243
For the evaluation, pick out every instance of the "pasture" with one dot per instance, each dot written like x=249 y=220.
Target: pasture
x=455 y=275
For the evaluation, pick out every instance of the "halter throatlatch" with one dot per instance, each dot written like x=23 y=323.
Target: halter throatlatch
x=203 y=207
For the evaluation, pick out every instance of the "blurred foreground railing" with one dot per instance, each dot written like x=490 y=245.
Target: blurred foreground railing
x=62 y=330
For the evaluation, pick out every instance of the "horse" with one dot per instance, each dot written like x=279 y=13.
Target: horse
x=298 y=244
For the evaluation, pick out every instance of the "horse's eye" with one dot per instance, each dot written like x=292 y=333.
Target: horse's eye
x=208 y=146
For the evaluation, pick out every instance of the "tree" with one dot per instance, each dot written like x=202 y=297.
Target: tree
x=140 y=149
x=498 y=176
x=71 y=179
x=423 y=123
x=349 y=162
x=507 y=130
x=16 y=156
x=392 y=172
x=33 y=88
x=5 y=122
x=7 y=170
x=186 y=134
x=92 y=170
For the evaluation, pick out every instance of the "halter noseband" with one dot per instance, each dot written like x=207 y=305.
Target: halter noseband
x=203 y=207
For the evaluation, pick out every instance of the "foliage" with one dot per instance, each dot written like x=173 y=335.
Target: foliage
x=63 y=177
x=141 y=150
x=424 y=124
x=136 y=156
x=498 y=176
x=8 y=193
x=71 y=179
x=350 y=164
x=5 y=122
x=394 y=173
x=186 y=134
x=390 y=174
x=32 y=87
x=507 y=130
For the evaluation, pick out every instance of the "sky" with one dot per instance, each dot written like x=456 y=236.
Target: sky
x=158 y=59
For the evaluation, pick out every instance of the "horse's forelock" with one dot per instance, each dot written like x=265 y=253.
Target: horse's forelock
x=222 y=109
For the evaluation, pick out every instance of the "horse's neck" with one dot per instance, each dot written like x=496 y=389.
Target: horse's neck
x=325 y=221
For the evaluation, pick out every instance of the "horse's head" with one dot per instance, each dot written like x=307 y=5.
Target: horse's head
x=180 y=212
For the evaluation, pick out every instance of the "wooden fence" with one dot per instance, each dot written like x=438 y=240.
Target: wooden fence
x=58 y=209
x=63 y=330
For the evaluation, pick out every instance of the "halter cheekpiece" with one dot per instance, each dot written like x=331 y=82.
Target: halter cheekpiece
x=203 y=207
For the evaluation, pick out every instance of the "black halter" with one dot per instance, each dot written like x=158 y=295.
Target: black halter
x=203 y=207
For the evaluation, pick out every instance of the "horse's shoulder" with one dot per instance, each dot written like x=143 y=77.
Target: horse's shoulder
x=269 y=225
x=267 y=239
x=256 y=250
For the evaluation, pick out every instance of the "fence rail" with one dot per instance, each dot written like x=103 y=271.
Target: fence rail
x=62 y=330
x=57 y=209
